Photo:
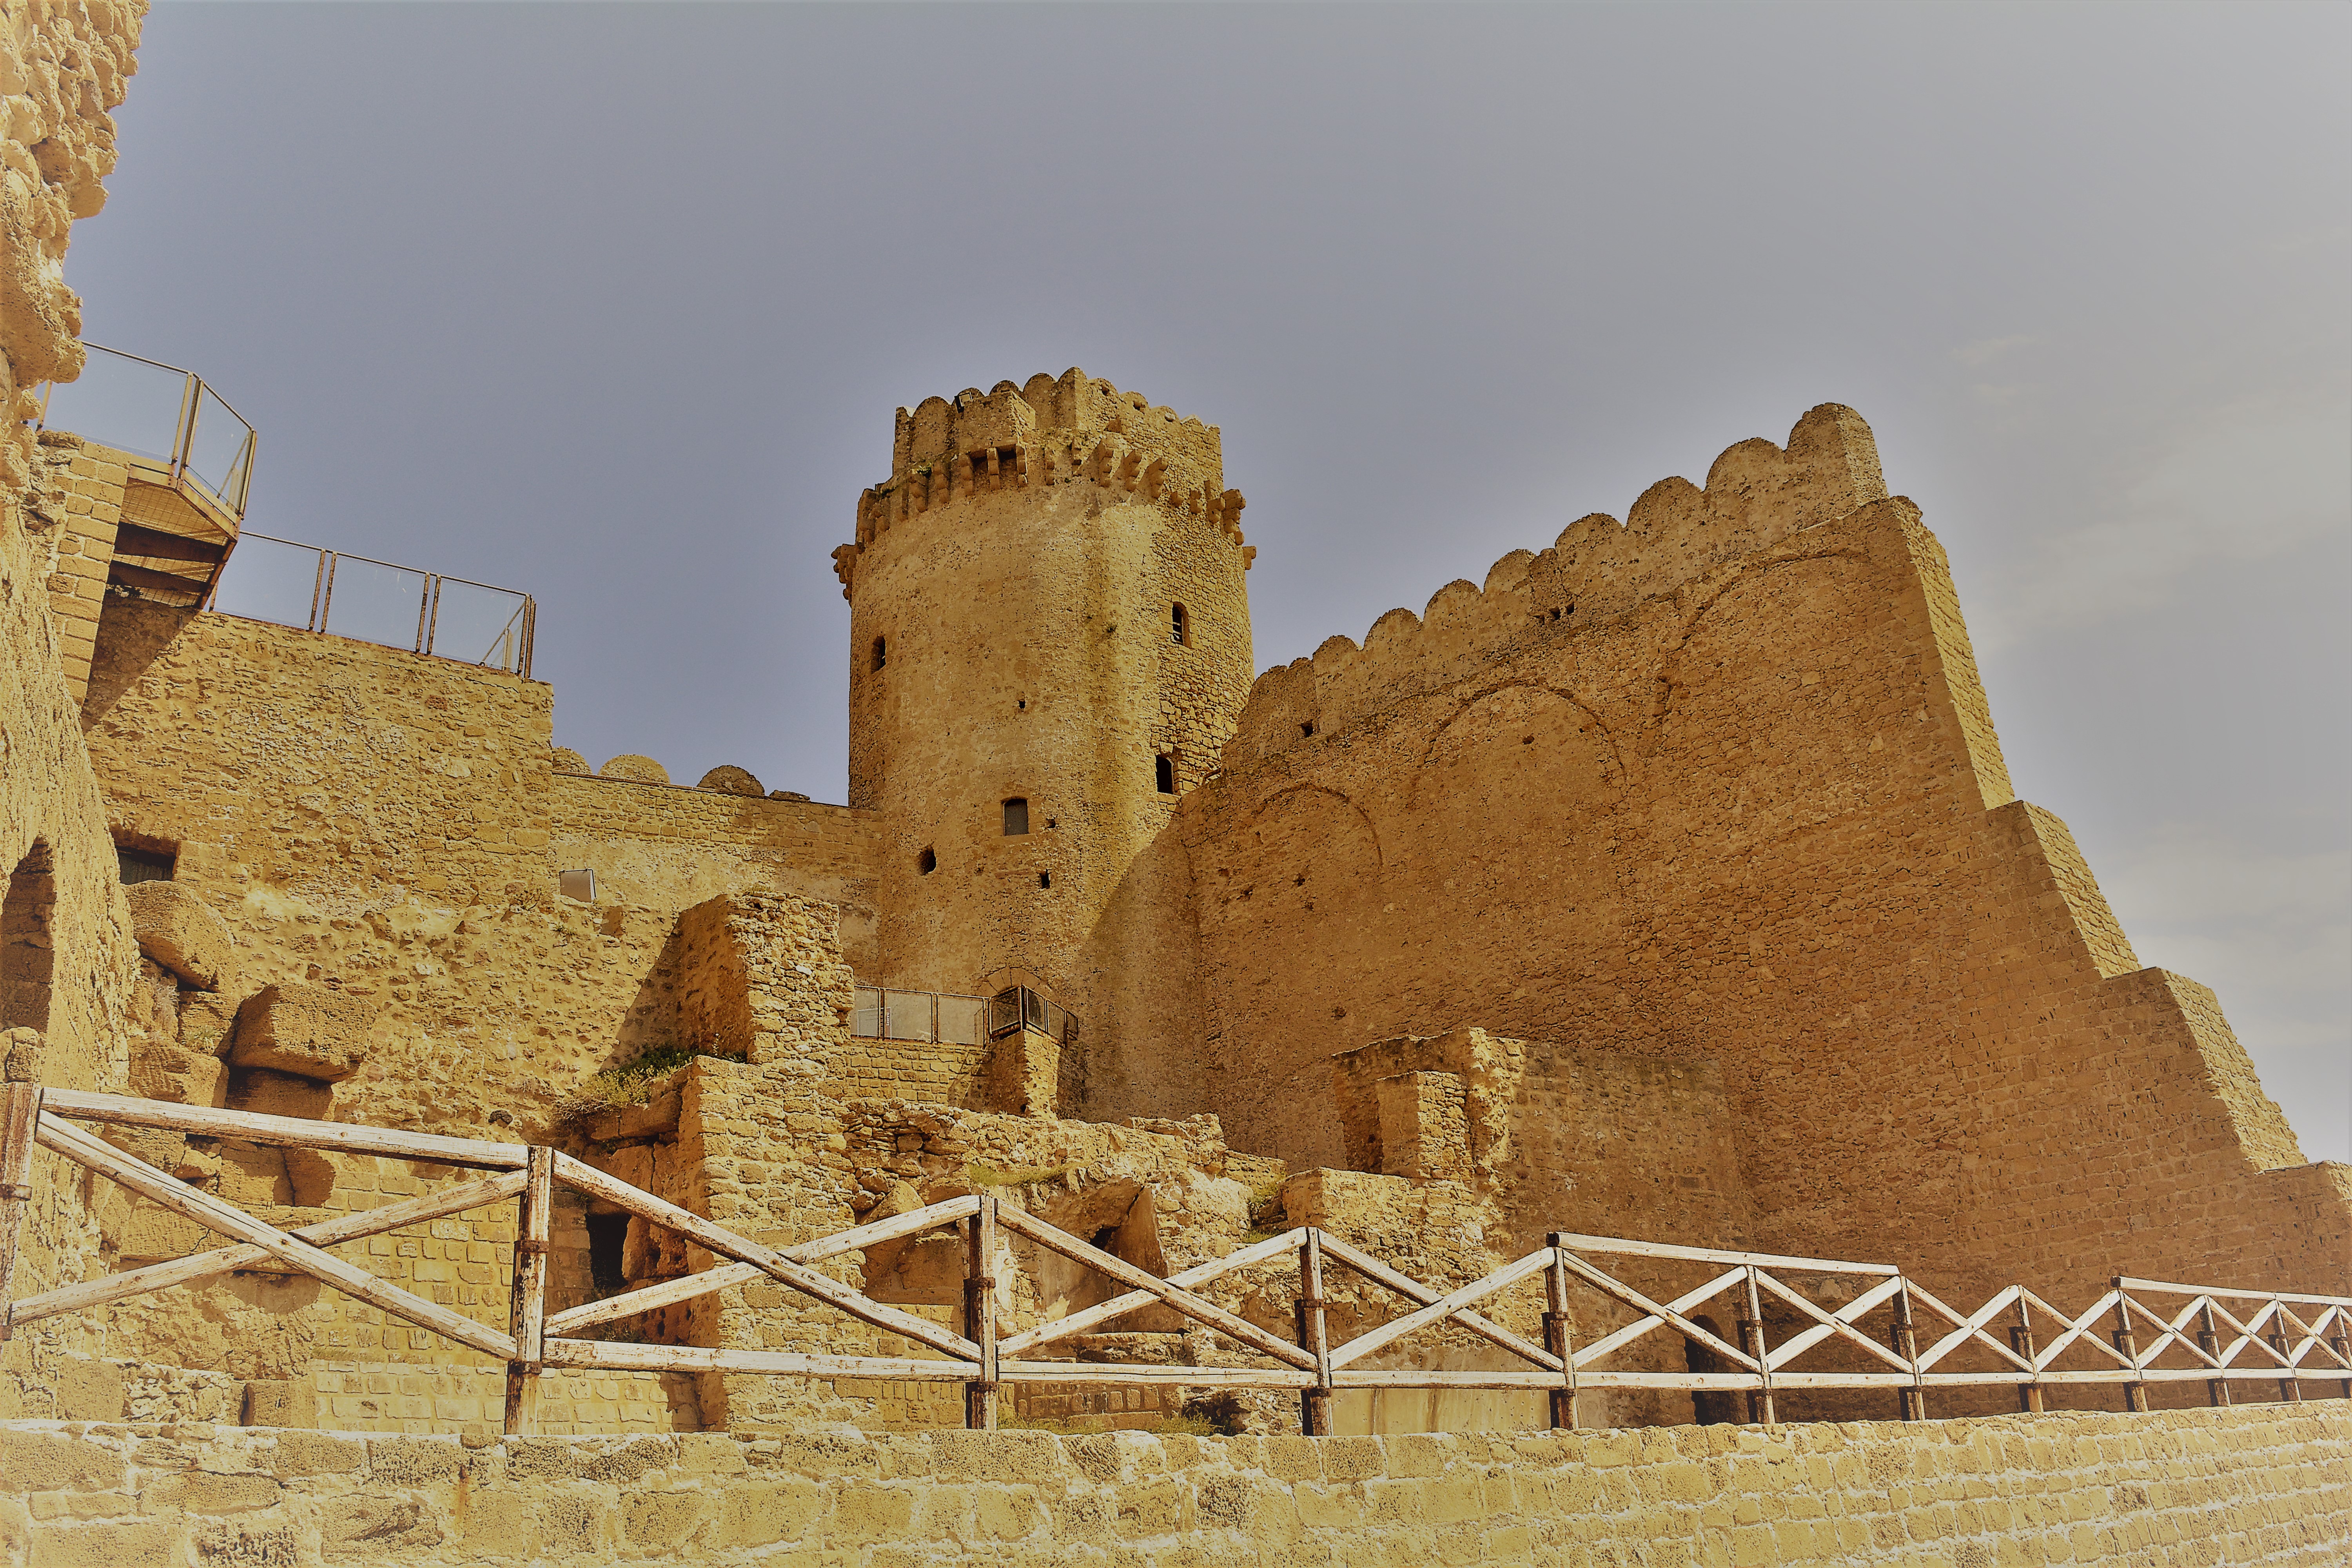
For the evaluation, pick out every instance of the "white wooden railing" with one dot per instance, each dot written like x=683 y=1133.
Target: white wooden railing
x=2299 y=1344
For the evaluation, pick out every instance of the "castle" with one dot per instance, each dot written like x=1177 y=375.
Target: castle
x=1668 y=884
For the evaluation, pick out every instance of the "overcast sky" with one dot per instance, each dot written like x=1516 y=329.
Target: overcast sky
x=614 y=303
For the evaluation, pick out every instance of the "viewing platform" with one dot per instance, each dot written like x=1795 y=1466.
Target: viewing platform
x=184 y=462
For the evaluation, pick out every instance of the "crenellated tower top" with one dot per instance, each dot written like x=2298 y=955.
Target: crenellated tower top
x=1052 y=430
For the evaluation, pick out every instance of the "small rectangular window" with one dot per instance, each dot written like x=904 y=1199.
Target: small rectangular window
x=1016 y=816
x=881 y=652
x=1163 y=774
x=1179 y=628
x=143 y=865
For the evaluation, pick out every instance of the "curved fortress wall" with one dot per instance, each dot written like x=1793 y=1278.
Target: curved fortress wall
x=1015 y=635
x=1721 y=785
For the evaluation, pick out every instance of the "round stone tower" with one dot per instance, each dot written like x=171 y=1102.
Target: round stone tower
x=1049 y=644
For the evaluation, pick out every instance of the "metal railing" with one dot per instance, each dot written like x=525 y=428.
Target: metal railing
x=1871 y=1312
x=929 y=1018
x=178 y=430
x=1022 y=1009
x=321 y=590
x=923 y=1018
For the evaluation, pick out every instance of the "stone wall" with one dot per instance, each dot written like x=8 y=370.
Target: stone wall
x=390 y=825
x=68 y=964
x=665 y=847
x=1721 y=788
x=2253 y=1485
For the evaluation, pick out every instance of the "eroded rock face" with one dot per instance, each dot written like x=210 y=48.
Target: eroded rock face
x=638 y=770
x=179 y=932
x=307 y=1031
x=61 y=68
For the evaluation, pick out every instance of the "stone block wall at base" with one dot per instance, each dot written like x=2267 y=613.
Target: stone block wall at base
x=2253 y=1485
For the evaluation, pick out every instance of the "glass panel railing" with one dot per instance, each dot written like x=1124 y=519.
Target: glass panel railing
x=293 y=584
x=1022 y=1009
x=220 y=450
x=374 y=602
x=907 y=1015
x=921 y=1017
x=124 y=402
x=272 y=580
x=477 y=624
x=963 y=1020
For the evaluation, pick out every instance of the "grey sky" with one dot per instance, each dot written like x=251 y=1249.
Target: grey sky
x=614 y=303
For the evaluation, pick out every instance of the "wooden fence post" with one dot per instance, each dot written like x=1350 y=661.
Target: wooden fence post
x=2290 y=1386
x=2020 y=1339
x=1314 y=1337
x=980 y=1315
x=1558 y=1339
x=527 y=1315
x=2134 y=1391
x=20 y=1113
x=2209 y=1340
x=1904 y=1339
x=1760 y=1403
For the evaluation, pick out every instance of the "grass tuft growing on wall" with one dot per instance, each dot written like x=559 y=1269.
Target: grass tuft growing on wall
x=634 y=1082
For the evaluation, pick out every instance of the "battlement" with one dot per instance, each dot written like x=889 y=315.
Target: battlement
x=1757 y=495
x=1050 y=431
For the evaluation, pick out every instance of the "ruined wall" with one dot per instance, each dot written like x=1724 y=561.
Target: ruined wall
x=2253 y=1485
x=1019 y=573
x=378 y=826
x=1621 y=1144
x=390 y=825
x=664 y=847
x=68 y=965
x=1721 y=786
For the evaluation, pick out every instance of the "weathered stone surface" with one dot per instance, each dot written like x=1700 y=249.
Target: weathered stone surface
x=2264 y=1484
x=281 y=1402
x=178 y=930
x=308 y=1031
x=635 y=768
x=22 y=1050
x=732 y=781
x=1667 y=883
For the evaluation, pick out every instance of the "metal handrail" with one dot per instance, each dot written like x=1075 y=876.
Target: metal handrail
x=881 y=1013
x=515 y=635
x=177 y=471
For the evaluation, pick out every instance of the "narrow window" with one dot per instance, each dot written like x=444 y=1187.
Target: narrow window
x=1163 y=774
x=1307 y=729
x=881 y=652
x=1179 y=628
x=926 y=863
x=1016 y=816
x=1045 y=879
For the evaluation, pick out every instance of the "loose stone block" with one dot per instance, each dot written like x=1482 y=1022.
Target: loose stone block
x=179 y=931
x=308 y=1031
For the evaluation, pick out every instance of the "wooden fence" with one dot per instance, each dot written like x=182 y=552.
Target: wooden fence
x=2225 y=1339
